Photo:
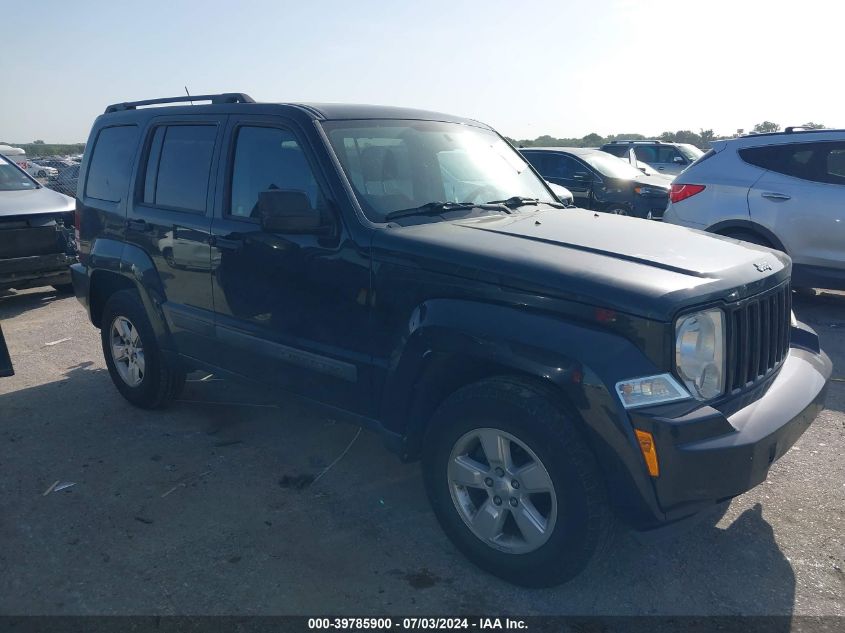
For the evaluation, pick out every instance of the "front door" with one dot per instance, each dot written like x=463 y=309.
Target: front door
x=291 y=309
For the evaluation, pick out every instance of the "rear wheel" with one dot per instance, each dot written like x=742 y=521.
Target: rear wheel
x=513 y=484
x=142 y=373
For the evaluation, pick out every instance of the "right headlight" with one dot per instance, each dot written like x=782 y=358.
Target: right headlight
x=700 y=352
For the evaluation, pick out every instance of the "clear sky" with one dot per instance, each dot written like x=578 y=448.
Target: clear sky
x=559 y=67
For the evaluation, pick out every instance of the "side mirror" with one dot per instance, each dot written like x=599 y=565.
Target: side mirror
x=287 y=211
x=679 y=160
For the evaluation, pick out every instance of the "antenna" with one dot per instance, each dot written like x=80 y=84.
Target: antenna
x=189 y=95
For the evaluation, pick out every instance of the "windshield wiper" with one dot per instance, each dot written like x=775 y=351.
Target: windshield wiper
x=520 y=201
x=436 y=208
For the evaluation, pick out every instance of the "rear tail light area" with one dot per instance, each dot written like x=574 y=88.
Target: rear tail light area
x=682 y=192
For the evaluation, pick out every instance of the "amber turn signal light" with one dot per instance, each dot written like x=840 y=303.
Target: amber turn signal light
x=649 y=453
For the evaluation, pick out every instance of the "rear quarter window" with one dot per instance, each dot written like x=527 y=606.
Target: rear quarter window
x=816 y=162
x=111 y=163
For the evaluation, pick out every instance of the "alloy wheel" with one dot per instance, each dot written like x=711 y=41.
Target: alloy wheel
x=127 y=351
x=502 y=490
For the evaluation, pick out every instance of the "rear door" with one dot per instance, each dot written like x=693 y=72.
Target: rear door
x=170 y=219
x=801 y=199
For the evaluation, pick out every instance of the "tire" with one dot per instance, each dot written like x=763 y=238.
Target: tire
x=537 y=427
x=159 y=378
x=63 y=289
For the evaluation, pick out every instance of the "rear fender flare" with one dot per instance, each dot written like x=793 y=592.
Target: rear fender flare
x=130 y=264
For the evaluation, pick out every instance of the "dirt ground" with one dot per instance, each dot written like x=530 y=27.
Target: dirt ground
x=206 y=507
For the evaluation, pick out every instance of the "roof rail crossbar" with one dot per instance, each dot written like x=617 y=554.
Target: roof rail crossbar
x=226 y=97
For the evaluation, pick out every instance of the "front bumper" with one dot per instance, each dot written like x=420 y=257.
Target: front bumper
x=36 y=270
x=711 y=454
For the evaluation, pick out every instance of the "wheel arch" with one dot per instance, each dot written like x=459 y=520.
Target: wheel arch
x=449 y=350
x=117 y=266
x=748 y=226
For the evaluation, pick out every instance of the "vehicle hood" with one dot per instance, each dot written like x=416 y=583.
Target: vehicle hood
x=640 y=267
x=33 y=201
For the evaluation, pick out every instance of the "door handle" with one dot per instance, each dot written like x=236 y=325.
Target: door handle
x=226 y=244
x=138 y=225
x=772 y=195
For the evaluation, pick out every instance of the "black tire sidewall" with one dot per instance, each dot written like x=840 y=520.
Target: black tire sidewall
x=572 y=542
x=128 y=304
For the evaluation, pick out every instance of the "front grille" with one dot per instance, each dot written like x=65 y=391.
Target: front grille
x=758 y=336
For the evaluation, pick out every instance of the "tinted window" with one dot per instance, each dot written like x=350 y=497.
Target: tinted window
x=559 y=166
x=178 y=167
x=268 y=158
x=665 y=153
x=111 y=162
x=818 y=162
x=646 y=153
x=616 y=150
x=836 y=164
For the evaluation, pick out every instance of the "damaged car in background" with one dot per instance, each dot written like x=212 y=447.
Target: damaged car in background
x=37 y=242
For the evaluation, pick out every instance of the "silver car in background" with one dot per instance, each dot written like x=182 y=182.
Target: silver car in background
x=784 y=190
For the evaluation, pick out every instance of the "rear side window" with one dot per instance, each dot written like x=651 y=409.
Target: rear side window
x=816 y=162
x=616 y=150
x=179 y=166
x=646 y=153
x=111 y=163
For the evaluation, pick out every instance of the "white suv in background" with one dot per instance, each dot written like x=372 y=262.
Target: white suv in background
x=784 y=190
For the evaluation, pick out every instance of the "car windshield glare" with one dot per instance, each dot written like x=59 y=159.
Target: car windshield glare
x=611 y=166
x=395 y=165
x=690 y=152
x=12 y=178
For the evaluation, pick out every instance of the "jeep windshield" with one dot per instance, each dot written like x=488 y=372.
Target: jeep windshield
x=401 y=168
x=12 y=178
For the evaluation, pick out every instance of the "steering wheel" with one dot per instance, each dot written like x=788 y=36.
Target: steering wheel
x=476 y=193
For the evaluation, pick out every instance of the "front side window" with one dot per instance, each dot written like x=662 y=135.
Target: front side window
x=13 y=179
x=666 y=154
x=179 y=166
x=646 y=153
x=395 y=165
x=111 y=163
x=265 y=159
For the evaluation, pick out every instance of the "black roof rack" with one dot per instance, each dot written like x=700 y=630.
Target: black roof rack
x=226 y=97
x=795 y=129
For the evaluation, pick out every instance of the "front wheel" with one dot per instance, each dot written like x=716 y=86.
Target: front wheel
x=139 y=369
x=513 y=484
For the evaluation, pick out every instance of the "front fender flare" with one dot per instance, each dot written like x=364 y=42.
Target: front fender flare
x=583 y=361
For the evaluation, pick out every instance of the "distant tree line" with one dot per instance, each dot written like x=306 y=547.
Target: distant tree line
x=40 y=148
x=701 y=139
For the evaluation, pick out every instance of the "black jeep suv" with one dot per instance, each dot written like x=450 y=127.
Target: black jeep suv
x=553 y=368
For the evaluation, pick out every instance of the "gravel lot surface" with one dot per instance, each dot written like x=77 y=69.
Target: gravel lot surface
x=204 y=508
